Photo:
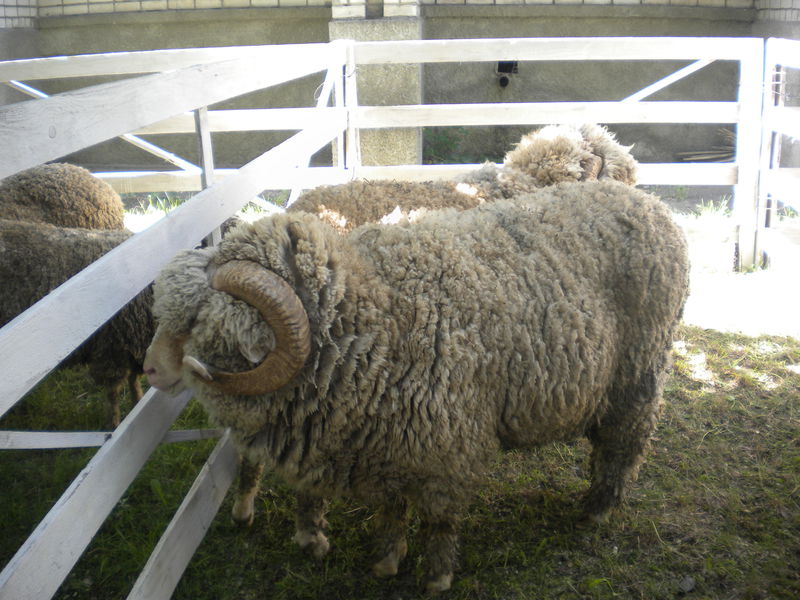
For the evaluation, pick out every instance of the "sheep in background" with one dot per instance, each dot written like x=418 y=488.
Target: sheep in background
x=556 y=154
x=559 y=153
x=390 y=365
x=61 y=194
x=346 y=206
x=35 y=258
x=553 y=154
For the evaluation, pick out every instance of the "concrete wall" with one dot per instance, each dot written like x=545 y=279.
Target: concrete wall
x=389 y=84
x=85 y=26
x=567 y=81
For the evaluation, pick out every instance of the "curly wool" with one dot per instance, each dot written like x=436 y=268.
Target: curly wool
x=559 y=308
x=35 y=258
x=61 y=194
x=559 y=153
x=346 y=206
x=550 y=155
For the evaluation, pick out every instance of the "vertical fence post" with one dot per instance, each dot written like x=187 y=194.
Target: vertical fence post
x=330 y=85
x=206 y=162
x=748 y=153
x=774 y=94
x=338 y=98
x=352 y=139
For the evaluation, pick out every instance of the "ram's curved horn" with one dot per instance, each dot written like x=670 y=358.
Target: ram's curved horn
x=282 y=310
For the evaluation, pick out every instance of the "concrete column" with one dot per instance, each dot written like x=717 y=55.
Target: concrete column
x=382 y=85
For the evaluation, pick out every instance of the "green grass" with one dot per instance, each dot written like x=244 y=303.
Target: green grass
x=715 y=513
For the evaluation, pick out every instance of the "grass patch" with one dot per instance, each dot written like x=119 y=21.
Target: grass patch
x=715 y=513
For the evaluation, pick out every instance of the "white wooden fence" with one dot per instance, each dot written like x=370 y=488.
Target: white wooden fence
x=781 y=60
x=176 y=83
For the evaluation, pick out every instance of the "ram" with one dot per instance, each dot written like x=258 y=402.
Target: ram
x=550 y=155
x=61 y=194
x=392 y=364
x=35 y=258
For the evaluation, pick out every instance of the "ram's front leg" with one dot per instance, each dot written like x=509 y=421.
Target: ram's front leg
x=391 y=524
x=250 y=474
x=310 y=525
x=440 y=527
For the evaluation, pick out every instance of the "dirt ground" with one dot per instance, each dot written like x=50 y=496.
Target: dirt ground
x=766 y=301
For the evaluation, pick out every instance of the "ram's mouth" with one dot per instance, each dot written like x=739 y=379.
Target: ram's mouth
x=172 y=388
x=175 y=388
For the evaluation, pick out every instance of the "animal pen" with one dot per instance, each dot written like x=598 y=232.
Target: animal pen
x=145 y=101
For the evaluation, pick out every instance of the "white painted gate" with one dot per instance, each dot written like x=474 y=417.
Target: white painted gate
x=47 y=128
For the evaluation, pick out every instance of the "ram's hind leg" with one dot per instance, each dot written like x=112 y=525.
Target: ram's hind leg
x=113 y=397
x=135 y=386
x=391 y=524
x=310 y=525
x=250 y=474
x=619 y=443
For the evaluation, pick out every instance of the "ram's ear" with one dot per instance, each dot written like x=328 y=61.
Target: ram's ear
x=297 y=232
x=199 y=368
x=591 y=168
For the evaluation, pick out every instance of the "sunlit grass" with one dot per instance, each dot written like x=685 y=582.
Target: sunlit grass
x=715 y=513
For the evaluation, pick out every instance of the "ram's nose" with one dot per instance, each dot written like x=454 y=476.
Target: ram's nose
x=161 y=381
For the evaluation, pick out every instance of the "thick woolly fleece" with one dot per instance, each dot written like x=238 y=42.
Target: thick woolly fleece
x=434 y=344
x=547 y=156
x=35 y=258
x=559 y=153
x=349 y=205
x=61 y=194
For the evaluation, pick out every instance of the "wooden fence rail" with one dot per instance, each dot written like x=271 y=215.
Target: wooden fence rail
x=47 y=128
x=780 y=183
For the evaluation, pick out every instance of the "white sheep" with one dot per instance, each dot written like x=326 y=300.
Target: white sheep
x=390 y=365
x=35 y=258
x=61 y=194
x=550 y=155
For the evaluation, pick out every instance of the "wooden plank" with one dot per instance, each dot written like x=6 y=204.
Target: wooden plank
x=649 y=173
x=50 y=440
x=550 y=49
x=688 y=173
x=783 y=119
x=352 y=141
x=783 y=184
x=668 y=80
x=181 y=181
x=36 y=131
x=251 y=119
x=46 y=440
x=38 y=339
x=149 y=61
x=188 y=527
x=206 y=151
x=748 y=147
x=782 y=51
x=131 y=139
x=46 y=558
x=541 y=113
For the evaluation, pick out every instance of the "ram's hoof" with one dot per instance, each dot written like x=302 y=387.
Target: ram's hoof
x=389 y=564
x=314 y=542
x=439 y=584
x=243 y=516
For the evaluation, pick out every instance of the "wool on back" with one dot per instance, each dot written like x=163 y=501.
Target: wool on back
x=437 y=342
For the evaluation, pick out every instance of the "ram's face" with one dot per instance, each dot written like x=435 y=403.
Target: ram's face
x=555 y=154
x=250 y=334
x=163 y=363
